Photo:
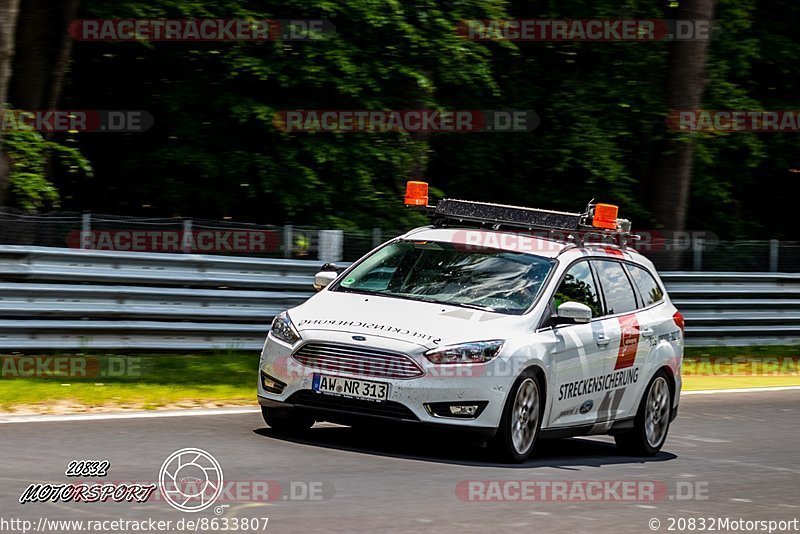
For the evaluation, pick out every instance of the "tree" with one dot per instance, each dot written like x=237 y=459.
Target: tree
x=43 y=48
x=9 y=10
x=686 y=81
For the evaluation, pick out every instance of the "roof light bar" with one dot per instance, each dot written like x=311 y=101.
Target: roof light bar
x=466 y=210
x=598 y=218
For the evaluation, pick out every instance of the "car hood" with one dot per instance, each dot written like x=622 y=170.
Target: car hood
x=423 y=323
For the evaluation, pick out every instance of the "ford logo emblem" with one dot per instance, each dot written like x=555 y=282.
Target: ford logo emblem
x=359 y=338
x=586 y=406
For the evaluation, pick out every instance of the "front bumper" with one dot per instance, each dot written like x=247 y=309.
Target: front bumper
x=409 y=400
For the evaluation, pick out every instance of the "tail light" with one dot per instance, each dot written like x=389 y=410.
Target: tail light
x=678 y=318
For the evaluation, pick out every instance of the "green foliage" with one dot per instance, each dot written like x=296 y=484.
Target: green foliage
x=215 y=151
x=29 y=154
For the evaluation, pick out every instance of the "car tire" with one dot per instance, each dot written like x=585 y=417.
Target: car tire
x=286 y=421
x=516 y=436
x=651 y=424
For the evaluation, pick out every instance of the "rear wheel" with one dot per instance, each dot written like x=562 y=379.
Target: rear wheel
x=521 y=420
x=286 y=420
x=652 y=420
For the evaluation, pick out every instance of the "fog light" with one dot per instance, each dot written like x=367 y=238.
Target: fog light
x=271 y=384
x=456 y=410
x=461 y=409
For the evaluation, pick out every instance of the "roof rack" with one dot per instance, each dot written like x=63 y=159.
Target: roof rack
x=598 y=221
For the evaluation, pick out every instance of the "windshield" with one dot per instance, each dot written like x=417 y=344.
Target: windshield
x=446 y=273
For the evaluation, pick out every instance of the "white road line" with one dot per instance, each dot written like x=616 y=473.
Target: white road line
x=10 y=418
x=738 y=390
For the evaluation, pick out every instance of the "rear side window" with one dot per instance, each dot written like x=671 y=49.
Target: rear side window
x=646 y=284
x=578 y=286
x=617 y=288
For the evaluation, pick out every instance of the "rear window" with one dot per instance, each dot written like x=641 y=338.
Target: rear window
x=648 y=288
x=617 y=288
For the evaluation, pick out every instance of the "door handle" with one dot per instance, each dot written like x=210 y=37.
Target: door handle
x=648 y=332
x=602 y=339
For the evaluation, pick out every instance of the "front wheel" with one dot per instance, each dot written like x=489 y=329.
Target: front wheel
x=286 y=421
x=521 y=420
x=652 y=420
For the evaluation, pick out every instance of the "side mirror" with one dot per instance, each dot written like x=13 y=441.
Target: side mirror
x=327 y=274
x=573 y=313
x=331 y=267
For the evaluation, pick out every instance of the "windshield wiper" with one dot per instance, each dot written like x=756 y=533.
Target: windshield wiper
x=414 y=296
x=460 y=304
x=475 y=306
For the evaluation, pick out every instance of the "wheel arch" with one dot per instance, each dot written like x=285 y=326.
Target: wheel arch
x=671 y=382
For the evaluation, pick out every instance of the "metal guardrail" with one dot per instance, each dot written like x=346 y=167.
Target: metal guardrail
x=54 y=298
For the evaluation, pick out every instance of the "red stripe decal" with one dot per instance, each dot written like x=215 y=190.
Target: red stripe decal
x=613 y=251
x=628 y=341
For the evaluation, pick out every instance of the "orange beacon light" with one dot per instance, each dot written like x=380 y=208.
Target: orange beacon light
x=416 y=193
x=605 y=216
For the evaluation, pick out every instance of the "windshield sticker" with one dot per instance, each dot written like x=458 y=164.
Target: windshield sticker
x=348 y=281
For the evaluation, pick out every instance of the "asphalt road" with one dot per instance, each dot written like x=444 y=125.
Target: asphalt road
x=738 y=452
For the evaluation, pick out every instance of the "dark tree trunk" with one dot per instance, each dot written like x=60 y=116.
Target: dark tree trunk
x=43 y=51
x=9 y=10
x=672 y=171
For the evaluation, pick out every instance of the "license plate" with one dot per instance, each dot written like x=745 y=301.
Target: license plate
x=350 y=387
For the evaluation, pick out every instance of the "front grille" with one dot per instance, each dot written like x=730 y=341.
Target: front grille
x=310 y=399
x=359 y=361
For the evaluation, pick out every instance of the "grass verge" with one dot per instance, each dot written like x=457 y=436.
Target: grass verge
x=740 y=367
x=101 y=382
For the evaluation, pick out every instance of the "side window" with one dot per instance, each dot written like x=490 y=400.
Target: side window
x=648 y=288
x=617 y=288
x=578 y=285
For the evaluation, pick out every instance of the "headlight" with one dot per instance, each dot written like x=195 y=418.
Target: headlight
x=283 y=329
x=475 y=352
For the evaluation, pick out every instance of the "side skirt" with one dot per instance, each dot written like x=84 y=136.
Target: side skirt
x=621 y=425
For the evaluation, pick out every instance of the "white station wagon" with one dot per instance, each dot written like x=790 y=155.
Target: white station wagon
x=516 y=323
